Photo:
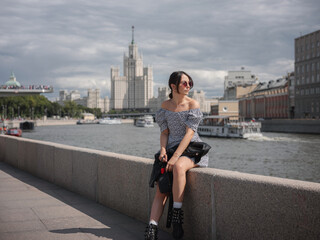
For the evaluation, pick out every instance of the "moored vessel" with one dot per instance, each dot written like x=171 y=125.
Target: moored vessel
x=222 y=126
x=110 y=121
x=14 y=132
x=144 y=121
x=27 y=126
x=82 y=121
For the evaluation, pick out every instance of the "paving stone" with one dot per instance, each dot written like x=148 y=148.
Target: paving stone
x=31 y=208
x=14 y=215
x=21 y=226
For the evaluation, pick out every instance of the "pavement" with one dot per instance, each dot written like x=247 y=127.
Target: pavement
x=33 y=209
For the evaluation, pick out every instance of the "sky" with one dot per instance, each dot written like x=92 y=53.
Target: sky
x=72 y=44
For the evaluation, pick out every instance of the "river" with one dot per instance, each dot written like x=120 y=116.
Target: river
x=293 y=156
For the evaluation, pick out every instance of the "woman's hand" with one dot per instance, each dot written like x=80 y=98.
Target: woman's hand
x=163 y=155
x=171 y=162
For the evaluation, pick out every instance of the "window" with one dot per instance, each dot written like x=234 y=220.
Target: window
x=312 y=91
x=302 y=92
x=312 y=67
x=312 y=78
x=307 y=91
x=318 y=77
x=307 y=67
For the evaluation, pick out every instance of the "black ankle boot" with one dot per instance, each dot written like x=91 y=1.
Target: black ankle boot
x=177 y=221
x=151 y=232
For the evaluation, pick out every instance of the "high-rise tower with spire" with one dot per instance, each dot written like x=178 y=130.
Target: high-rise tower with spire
x=134 y=89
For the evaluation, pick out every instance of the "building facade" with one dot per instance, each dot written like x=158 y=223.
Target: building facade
x=134 y=89
x=307 y=76
x=268 y=100
x=155 y=102
x=200 y=97
x=92 y=100
x=229 y=108
x=237 y=78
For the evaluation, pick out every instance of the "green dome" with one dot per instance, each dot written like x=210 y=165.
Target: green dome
x=13 y=81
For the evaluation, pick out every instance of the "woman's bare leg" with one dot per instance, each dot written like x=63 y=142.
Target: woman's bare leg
x=180 y=169
x=158 y=204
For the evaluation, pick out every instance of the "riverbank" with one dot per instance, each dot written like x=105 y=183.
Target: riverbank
x=291 y=126
x=51 y=122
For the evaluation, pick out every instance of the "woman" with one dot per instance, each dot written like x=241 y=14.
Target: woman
x=178 y=119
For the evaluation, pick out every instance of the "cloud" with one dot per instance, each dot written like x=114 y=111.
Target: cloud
x=73 y=44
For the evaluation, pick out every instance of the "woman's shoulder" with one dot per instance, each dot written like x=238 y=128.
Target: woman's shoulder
x=165 y=105
x=193 y=104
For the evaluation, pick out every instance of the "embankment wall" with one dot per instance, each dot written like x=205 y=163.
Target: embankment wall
x=218 y=204
x=291 y=126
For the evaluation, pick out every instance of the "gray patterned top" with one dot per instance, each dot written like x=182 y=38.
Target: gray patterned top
x=176 y=122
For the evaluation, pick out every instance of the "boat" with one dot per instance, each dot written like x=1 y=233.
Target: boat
x=222 y=126
x=110 y=121
x=144 y=121
x=81 y=121
x=87 y=118
x=27 y=126
x=14 y=132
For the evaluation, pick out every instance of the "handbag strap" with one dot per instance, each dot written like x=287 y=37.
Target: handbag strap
x=169 y=216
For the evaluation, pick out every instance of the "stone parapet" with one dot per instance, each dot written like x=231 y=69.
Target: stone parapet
x=218 y=204
x=291 y=126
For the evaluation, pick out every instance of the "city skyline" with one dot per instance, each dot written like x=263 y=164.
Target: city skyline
x=72 y=45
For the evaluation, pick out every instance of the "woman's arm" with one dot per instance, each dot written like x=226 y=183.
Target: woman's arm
x=182 y=146
x=163 y=144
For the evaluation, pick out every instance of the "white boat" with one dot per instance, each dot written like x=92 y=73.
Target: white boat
x=222 y=126
x=145 y=121
x=86 y=122
x=110 y=121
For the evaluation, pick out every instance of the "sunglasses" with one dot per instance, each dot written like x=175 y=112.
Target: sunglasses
x=185 y=84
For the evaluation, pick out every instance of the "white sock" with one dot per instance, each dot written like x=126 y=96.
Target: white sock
x=177 y=204
x=153 y=222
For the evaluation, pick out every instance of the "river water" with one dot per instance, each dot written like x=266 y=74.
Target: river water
x=294 y=156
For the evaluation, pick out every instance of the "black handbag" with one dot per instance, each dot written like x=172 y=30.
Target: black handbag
x=194 y=149
x=165 y=180
x=197 y=150
x=160 y=175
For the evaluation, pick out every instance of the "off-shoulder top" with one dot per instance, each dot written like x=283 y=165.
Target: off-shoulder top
x=176 y=122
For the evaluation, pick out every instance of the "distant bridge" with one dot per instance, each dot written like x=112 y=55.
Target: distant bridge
x=24 y=91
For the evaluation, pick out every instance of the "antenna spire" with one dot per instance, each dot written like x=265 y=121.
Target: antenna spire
x=132 y=42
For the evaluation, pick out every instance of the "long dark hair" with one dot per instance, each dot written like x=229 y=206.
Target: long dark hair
x=175 y=79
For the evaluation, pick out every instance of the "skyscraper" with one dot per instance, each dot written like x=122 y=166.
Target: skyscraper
x=134 y=89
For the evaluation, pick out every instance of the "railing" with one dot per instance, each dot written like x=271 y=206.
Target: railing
x=28 y=87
